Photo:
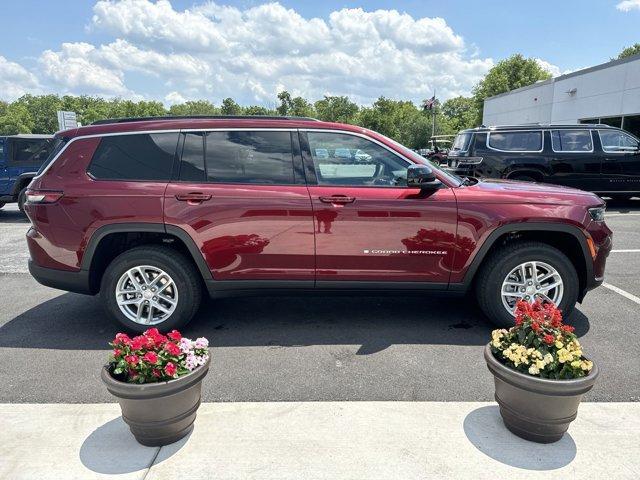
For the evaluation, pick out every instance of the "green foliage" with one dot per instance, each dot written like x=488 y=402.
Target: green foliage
x=336 y=109
x=230 y=107
x=511 y=73
x=16 y=119
x=294 y=107
x=460 y=112
x=629 y=51
x=194 y=107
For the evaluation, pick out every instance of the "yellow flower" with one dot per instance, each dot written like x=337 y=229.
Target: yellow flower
x=559 y=344
x=533 y=370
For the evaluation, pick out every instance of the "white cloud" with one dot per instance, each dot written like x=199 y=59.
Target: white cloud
x=15 y=80
x=628 y=5
x=214 y=51
x=173 y=98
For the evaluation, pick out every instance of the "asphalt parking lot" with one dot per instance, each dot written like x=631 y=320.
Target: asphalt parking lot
x=52 y=343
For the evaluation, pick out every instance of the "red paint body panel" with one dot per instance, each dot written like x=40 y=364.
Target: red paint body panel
x=386 y=234
x=248 y=232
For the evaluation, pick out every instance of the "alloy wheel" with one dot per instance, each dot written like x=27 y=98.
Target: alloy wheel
x=531 y=281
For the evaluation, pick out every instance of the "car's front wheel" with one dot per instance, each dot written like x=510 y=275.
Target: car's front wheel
x=525 y=271
x=151 y=286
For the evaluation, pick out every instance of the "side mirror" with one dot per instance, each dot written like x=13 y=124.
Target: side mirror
x=422 y=177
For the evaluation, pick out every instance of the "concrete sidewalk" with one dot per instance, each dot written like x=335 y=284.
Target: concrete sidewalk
x=317 y=440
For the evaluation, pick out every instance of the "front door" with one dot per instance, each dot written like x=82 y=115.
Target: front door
x=242 y=199
x=621 y=162
x=368 y=226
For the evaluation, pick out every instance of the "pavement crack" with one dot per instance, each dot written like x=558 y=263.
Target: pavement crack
x=153 y=460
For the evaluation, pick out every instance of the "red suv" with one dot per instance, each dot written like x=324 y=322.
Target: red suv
x=151 y=213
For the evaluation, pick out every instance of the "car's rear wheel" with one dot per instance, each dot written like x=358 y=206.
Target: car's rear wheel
x=525 y=271
x=151 y=286
x=523 y=178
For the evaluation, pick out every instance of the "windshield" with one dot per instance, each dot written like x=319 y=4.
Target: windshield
x=407 y=152
x=56 y=146
x=461 y=142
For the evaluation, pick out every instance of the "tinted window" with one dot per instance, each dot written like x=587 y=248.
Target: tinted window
x=249 y=157
x=135 y=157
x=516 y=141
x=617 y=141
x=56 y=146
x=30 y=151
x=461 y=142
x=571 y=140
x=192 y=165
x=341 y=159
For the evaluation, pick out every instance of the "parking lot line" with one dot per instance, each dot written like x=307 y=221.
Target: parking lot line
x=625 y=294
x=627 y=250
x=607 y=215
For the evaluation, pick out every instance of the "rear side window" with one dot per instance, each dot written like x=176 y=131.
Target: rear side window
x=30 y=151
x=249 y=157
x=530 y=141
x=192 y=165
x=147 y=156
x=571 y=141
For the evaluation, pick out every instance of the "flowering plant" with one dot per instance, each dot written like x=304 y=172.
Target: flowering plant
x=540 y=344
x=154 y=357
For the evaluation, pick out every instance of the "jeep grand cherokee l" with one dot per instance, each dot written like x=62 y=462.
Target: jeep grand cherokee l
x=597 y=158
x=149 y=214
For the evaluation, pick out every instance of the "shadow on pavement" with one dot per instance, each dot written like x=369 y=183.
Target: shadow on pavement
x=12 y=216
x=77 y=322
x=486 y=431
x=112 y=450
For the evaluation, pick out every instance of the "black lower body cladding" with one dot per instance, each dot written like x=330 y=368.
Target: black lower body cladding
x=537 y=409
x=159 y=413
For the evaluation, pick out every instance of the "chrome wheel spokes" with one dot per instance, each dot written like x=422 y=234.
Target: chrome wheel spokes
x=531 y=281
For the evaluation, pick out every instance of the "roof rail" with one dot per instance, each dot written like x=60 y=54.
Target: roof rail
x=201 y=117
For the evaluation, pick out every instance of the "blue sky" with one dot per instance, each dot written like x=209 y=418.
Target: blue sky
x=180 y=50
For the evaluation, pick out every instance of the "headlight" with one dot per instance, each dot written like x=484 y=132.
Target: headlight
x=597 y=213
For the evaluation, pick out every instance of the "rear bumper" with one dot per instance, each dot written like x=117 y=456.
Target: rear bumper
x=77 y=282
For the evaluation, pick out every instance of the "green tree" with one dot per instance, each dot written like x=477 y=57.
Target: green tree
x=194 y=107
x=629 y=51
x=294 y=107
x=336 y=109
x=459 y=113
x=230 y=107
x=509 y=74
x=257 y=110
x=42 y=110
x=16 y=119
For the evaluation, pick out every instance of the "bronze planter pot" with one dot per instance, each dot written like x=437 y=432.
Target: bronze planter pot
x=537 y=409
x=159 y=413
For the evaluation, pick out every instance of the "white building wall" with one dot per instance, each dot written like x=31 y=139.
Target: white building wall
x=607 y=90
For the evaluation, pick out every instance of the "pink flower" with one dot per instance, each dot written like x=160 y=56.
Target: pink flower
x=131 y=359
x=150 y=357
x=174 y=335
x=172 y=348
x=170 y=369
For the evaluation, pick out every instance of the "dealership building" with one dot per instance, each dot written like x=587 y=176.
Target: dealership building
x=607 y=93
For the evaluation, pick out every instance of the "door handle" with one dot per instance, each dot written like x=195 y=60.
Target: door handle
x=193 y=198
x=338 y=199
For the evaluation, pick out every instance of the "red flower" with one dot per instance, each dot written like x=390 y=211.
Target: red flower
x=150 y=357
x=151 y=332
x=567 y=328
x=122 y=339
x=536 y=327
x=117 y=352
x=172 y=348
x=139 y=342
x=549 y=339
x=174 y=335
x=170 y=369
x=131 y=359
x=156 y=373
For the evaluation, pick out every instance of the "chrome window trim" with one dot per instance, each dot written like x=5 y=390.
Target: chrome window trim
x=516 y=131
x=616 y=151
x=570 y=130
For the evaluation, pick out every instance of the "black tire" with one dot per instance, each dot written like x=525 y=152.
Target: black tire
x=175 y=264
x=523 y=178
x=22 y=198
x=495 y=269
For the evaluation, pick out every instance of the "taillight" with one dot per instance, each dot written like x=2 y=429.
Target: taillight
x=43 y=196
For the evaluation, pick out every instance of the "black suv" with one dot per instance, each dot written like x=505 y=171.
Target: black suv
x=593 y=157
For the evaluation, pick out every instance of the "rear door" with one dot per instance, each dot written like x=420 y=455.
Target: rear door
x=621 y=162
x=573 y=159
x=241 y=195
x=369 y=226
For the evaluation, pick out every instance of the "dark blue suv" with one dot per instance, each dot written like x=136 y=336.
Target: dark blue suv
x=20 y=159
